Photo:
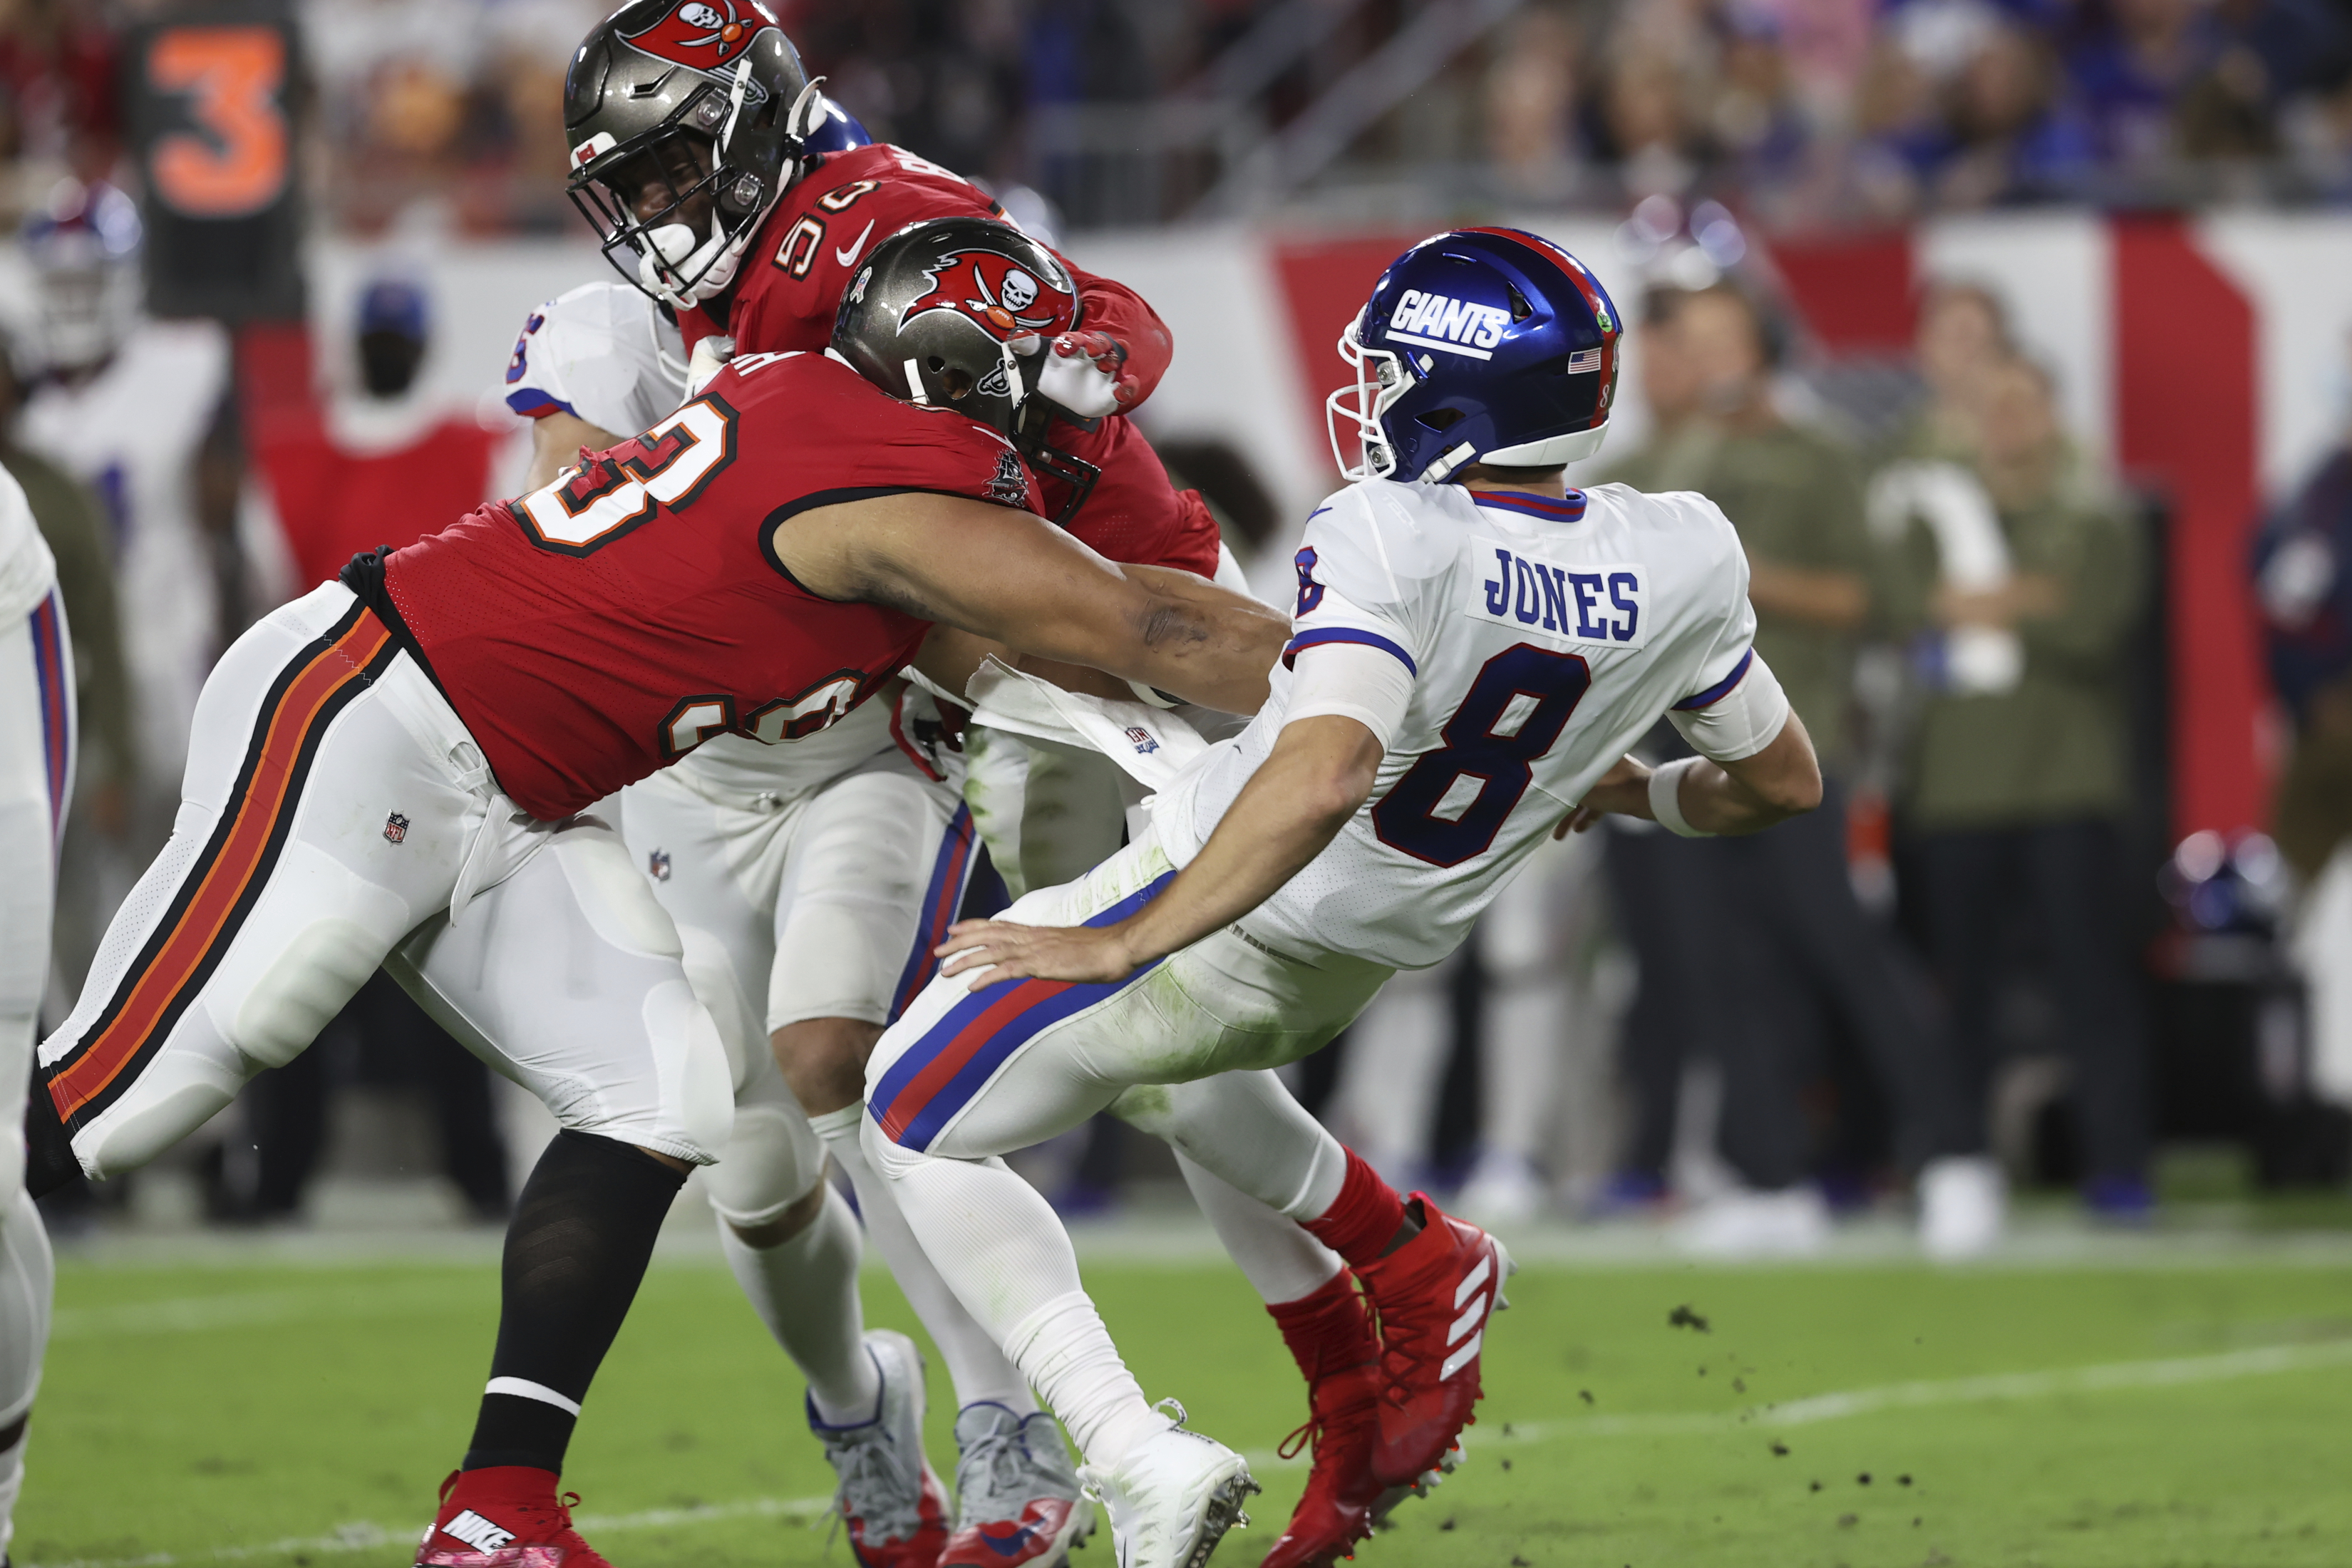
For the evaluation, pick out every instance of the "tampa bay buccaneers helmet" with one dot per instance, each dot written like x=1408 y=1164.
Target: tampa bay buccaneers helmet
x=956 y=312
x=687 y=121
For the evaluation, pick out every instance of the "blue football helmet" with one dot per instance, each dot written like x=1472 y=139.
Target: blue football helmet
x=1477 y=345
x=838 y=131
x=84 y=247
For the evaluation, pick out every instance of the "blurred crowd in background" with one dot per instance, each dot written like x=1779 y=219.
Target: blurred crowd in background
x=1753 y=1034
x=1797 y=112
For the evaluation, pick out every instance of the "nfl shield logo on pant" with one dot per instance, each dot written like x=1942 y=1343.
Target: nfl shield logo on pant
x=395 y=828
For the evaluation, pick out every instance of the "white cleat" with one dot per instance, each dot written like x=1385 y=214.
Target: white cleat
x=1792 y=1223
x=1963 y=1208
x=1173 y=1498
x=1503 y=1190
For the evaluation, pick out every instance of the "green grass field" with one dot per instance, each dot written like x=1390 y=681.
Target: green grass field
x=276 y=1414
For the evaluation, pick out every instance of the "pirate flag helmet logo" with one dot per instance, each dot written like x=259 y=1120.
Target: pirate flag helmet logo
x=703 y=34
x=956 y=312
x=1005 y=295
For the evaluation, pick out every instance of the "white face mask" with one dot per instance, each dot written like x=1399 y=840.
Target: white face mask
x=1381 y=377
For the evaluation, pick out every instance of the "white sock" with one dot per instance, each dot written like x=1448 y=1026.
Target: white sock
x=1276 y=1255
x=27 y=1280
x=1067 y=1353
x=805 y=1289
x=976 y=1366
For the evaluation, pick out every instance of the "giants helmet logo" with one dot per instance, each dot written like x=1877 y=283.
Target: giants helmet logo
x=704 y=34
x=999 y=293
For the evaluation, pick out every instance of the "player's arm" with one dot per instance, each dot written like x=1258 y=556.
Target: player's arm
x=1755 y=764
x=555 y=441
x=1318 y=775
x=1007 y=576
x=1745 y=794
x=1345 y=707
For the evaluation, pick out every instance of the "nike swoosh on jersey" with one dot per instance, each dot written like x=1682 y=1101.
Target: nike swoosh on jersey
x=849 y=255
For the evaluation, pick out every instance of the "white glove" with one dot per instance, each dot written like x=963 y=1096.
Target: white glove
x=1084 y=374
x=710 y=357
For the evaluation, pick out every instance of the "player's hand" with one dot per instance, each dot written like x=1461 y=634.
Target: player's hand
x=991 y=951
x=1623 y=789
x=1085 y=373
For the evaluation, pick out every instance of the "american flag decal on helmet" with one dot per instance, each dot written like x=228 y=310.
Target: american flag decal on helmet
x=1583 y=362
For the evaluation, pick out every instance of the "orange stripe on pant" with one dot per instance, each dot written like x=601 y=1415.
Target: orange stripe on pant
x=270 y=791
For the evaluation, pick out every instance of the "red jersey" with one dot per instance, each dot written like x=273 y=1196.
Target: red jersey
x=795 y=270
x=332 y=503
x=598 y=629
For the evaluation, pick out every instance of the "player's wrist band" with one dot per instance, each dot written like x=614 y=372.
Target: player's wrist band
x=1665 y=798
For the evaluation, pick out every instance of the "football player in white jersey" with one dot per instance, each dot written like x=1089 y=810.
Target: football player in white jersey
x=37 y=759
x=127 y=405
x=1477 y=648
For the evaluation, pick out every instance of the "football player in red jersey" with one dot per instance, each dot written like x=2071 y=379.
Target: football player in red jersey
x=389 y=772
x=685 y=155
x=686 y=122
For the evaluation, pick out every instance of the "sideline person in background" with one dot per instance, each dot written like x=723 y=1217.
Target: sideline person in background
x=2015 y=786
x=365 y=468
x=1658 y=883
x=1798 y=950
x=2302 y=576
x=73 y=527
x=1963 y=336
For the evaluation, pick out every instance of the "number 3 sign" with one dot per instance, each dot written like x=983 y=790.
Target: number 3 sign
x=232 y=161
x=210 y=88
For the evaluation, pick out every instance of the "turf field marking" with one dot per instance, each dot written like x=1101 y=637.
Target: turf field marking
x=2170 y=1372
x=366 y=1537
x=259 y=1308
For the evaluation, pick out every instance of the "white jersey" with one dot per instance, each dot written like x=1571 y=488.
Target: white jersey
x=602 y=352
x=606 y=354
x=132 y=434
x=1543 y=638
x=27 y=571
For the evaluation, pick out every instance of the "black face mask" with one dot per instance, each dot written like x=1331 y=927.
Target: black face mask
x=388 y=362
x=1047 y=461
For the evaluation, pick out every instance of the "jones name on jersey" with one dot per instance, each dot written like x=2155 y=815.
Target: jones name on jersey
x=1542 y=638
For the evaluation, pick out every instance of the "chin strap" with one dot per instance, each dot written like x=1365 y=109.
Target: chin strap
x=1443 y=466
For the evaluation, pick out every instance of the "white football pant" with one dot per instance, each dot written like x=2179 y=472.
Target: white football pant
x=1050 y=815
x=1183 y=1048
x=825 y=904
x=36 y=760
x=336 y=816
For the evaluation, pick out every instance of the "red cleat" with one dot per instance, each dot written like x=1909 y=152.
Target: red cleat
x=507 y=1516
x=1432 y=1296
x=1337 y=1510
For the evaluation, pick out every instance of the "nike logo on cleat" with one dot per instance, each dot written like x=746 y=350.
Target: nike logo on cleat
x=476 y=1531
